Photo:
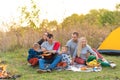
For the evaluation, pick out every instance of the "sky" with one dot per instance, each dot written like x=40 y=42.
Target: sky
x=54 y=9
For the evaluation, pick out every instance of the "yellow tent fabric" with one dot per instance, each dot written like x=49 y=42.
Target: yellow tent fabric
x=112 y=42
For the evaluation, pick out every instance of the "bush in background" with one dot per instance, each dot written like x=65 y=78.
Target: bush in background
x=24 y=37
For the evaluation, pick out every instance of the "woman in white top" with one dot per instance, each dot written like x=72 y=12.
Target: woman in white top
x=83 y=50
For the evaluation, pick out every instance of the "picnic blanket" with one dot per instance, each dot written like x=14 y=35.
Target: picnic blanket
x=83 y=68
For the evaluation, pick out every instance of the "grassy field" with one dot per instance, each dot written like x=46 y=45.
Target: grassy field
x=17 y=64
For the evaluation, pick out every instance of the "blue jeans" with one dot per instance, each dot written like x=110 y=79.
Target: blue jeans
x=53 y=62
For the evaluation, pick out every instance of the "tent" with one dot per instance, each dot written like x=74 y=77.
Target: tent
x=111 y=45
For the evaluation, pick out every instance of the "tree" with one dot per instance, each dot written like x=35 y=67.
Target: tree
x=106 y=17
x=117 y=15
x=71 y=21
x=30 y=17
x=44 y=25
x=53 y=25
x=117 y=7
x=92 y=17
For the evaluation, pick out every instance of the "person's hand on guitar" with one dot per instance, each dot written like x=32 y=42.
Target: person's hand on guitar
x=47 y=54
x=52 y=51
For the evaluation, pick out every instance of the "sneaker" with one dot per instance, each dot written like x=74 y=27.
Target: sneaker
x=41 y=71
x=106 y=61
x=48 y=70
x=113 y=65
x=59 y=68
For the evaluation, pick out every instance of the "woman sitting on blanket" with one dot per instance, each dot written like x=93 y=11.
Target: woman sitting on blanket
x=83 y=54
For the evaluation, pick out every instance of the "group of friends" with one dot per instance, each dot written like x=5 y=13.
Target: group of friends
x=49 y=55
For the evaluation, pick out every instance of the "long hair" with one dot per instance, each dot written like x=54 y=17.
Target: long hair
x=80 y=46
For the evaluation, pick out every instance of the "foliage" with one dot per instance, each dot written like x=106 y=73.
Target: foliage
x=101 y=17
x=48 y=26
x=30 y=16
x=25 y=36
x=71 y=21
x=107 y=18
x=92 y=17
x=95 y=25
x=18 y=37
x=117 y=7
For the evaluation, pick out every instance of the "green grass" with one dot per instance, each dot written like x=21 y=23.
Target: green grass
x=17 y=64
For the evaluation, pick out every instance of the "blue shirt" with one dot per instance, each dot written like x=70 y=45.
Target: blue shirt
x=33 y=54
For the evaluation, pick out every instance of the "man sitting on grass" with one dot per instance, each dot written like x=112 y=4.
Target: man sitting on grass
x=52 y=49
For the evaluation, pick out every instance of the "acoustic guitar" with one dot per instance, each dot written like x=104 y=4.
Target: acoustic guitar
x=48 y=54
